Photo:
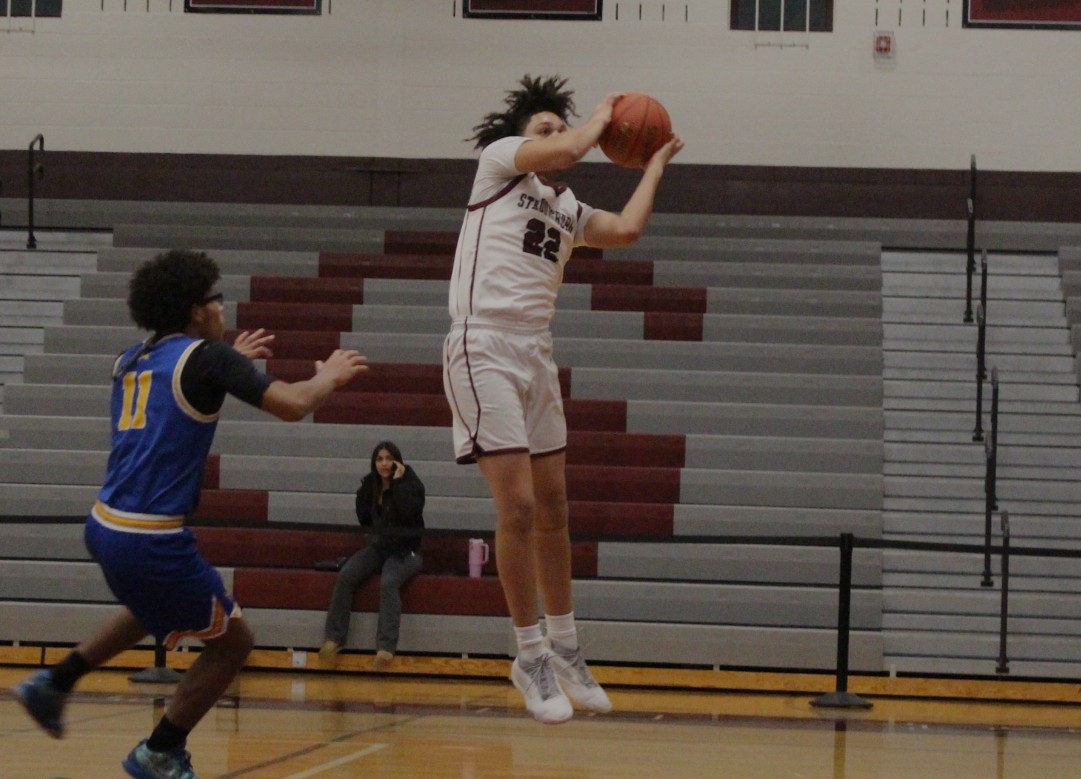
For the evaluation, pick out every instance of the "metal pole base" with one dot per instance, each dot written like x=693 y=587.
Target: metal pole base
x=841 y=700
x=157 y=676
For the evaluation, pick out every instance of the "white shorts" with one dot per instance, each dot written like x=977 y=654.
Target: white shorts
x=503 y=390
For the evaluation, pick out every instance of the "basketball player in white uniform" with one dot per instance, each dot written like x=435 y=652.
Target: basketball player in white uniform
x=500 y=378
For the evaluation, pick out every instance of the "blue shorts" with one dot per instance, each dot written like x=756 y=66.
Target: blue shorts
x=161 y=577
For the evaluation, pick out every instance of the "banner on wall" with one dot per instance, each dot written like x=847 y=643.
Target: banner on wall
x=253 y=6
x=532 y=9
x=1049 y=14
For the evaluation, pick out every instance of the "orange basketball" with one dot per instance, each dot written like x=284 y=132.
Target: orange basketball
x=639 y=127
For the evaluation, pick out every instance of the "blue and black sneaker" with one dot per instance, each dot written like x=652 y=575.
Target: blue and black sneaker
x=145 y=763
x=43 y=702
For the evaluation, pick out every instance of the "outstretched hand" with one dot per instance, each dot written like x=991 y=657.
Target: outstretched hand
x=342 y=366
x=254 y=345
x=603 y=109
x=666 y=152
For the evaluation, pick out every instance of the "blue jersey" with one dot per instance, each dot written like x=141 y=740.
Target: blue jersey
x=160 y=442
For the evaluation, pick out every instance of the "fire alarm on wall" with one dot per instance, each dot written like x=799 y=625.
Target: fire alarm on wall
x=883 y=45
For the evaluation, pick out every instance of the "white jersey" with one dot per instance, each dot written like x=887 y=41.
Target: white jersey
x=517 y=235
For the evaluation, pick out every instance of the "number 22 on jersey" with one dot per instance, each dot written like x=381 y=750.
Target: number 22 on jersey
x=133 y=406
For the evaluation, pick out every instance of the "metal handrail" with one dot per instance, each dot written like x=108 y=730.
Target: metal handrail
x=981 y=373
x=32 y=169
x=970 y=241
x=1003 y=666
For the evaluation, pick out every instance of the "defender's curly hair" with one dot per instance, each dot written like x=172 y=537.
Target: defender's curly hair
x=535 y=95
x=163 y=290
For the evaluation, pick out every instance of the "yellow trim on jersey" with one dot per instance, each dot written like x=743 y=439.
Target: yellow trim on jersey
x=128 y=519
x=178 y=393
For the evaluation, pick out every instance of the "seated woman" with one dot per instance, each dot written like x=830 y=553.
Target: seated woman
x=390 y=501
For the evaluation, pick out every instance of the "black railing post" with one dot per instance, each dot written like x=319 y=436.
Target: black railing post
x=158 y=674
x=1003 y=661
x=988 y=508
x=841 y=697
x=970 y=241
x=994 y=438
x=33 y=169
x=970 y=265
x=981 y=372
x=983 y=281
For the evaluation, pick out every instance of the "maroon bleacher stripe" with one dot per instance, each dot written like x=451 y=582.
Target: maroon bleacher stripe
x=444 y=242
x=266 y=546
x=606 y=415
x=393 y=408
x=276 y=588
x=420 y=242
x=384 y=266
x=617 y=518
x=384 y=408
x=307 y=345
x=636 y=297
x=598 y=271
x=623 y=484
x=289 y=289
x=233 y=505
x=585 y=270
x=664 y=326
x=411 y=378
x=286 y=548
x=212 y=472
x=637 y=449
x=276 y=317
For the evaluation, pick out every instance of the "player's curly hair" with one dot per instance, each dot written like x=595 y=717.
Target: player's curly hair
x=163 y=290
x=535 y=95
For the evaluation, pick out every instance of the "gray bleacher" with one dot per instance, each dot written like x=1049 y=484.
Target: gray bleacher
x=33 y=287
x=783 y=433
x=936 y=614
x=787 y=428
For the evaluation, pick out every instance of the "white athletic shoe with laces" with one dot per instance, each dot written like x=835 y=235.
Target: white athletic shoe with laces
x=543 y=697
x=577 y=681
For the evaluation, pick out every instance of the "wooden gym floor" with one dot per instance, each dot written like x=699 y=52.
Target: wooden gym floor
x=281 y=725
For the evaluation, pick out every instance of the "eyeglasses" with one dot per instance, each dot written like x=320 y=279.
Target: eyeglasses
x=217 y=297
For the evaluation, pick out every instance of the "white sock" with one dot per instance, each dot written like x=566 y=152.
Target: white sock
x=530 y=642
x=561 y=631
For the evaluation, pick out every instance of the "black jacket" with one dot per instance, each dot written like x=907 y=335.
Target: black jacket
x=395 y=525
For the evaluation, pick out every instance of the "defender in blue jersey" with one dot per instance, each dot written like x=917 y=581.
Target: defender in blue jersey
x=166 y=395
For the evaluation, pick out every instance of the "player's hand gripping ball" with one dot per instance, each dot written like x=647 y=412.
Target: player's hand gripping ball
x=639 y=126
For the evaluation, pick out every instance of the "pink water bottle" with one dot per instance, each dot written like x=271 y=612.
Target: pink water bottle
x=478 y=556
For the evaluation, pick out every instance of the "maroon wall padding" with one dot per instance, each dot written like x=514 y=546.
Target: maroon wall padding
x=289 y=289
x=664 y=326
x=628 y=485
x=299 y=344
x=283 y=588
x=385 y=408
x=637 y=449
x=232 y=505
x=385 y=266
x=770 y=190
x=599 y=271
x=212 y=472
x=269 y=547
x=275 y=317
x=616 y=518
x=635 y=297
